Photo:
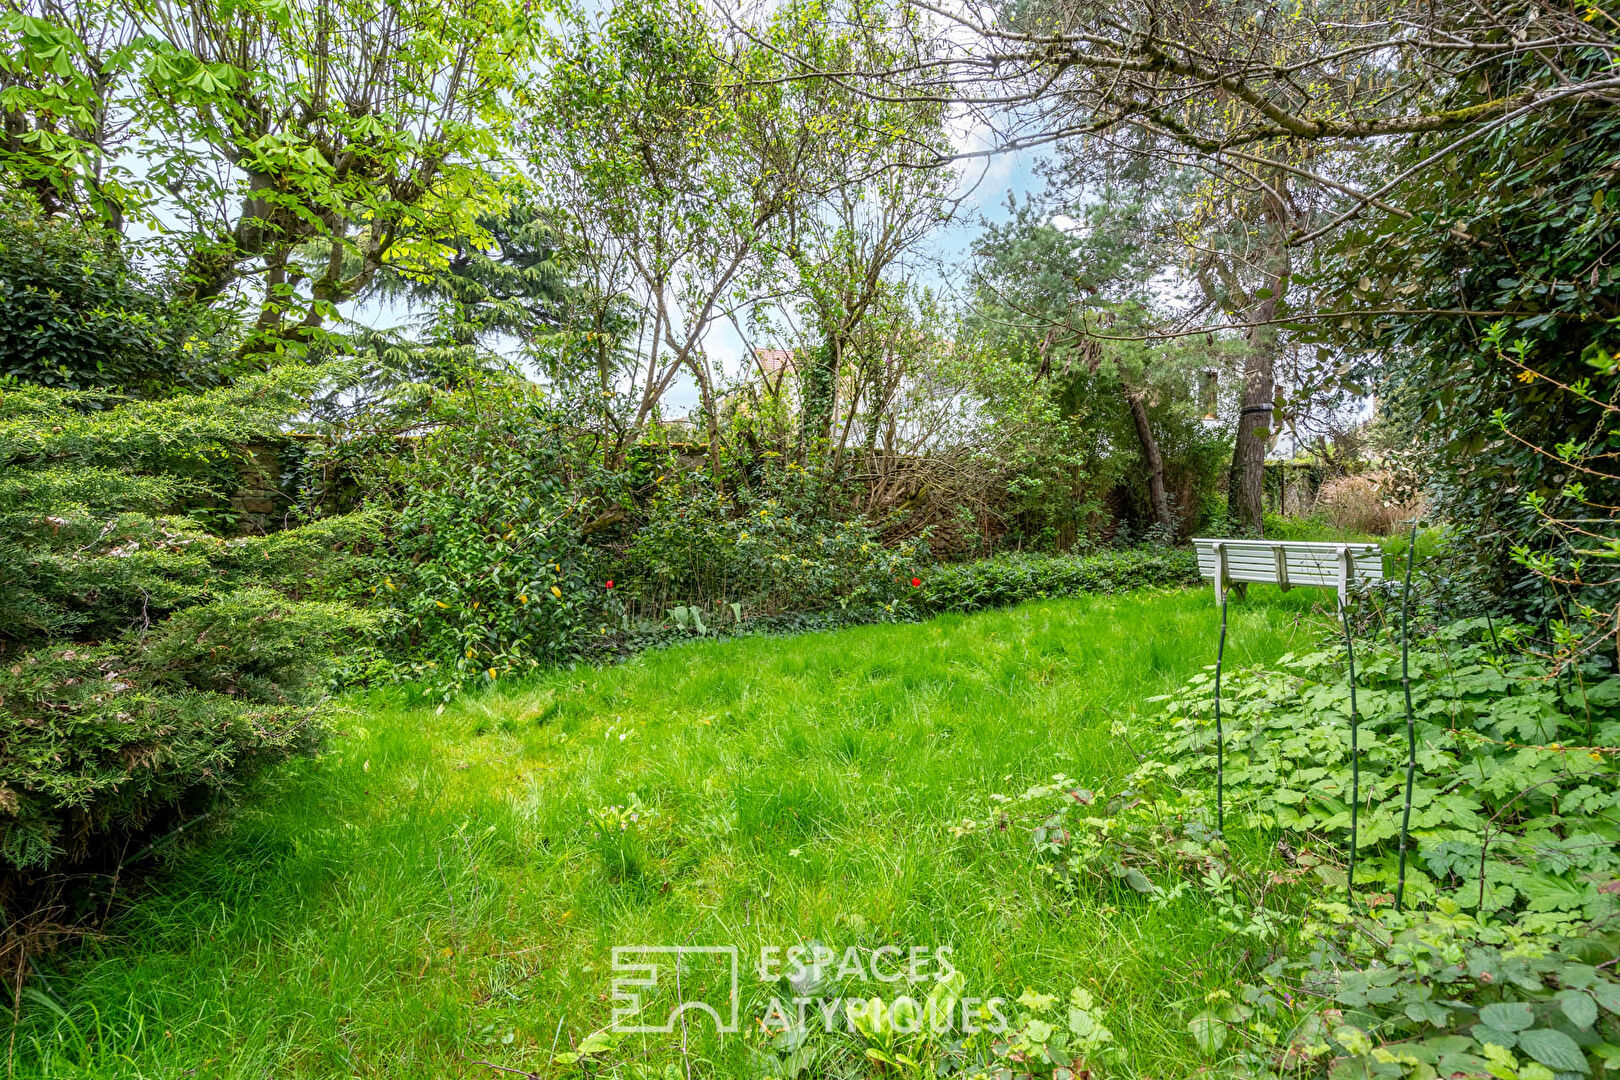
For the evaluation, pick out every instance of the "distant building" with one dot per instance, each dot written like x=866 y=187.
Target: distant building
x=774 y=362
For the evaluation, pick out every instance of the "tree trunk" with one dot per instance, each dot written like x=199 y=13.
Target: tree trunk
x=819 y=388
x=699 y=366
x=1155 y=462
x=1245 y=493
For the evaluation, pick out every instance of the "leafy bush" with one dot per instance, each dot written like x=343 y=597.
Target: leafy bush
x=1496 y=408
x=512 y=540
x=507 y=522
x=76 y=313
x=1430 y=994
x=1010 y=579
x=489 y=568
x=774 y=547
x=1497 y=966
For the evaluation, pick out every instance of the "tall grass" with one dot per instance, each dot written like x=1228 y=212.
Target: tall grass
x=1318 y=527
x=438 y=891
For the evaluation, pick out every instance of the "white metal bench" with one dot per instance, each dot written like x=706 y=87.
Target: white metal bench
x=1286 y=563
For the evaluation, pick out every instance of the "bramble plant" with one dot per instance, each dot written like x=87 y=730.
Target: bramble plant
x=1045 y=1038
x=1516 y=801
x=1430 y=994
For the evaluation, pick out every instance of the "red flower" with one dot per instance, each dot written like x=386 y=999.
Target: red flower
x=610 y=583
x=916 y=582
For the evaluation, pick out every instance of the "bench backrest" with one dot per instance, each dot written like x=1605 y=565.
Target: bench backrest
x=1287 y=563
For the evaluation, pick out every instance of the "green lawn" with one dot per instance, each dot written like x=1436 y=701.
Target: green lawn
x=431 y=893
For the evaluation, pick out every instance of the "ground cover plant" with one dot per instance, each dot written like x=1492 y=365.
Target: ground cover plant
x=1480 y=935
x=437 y=891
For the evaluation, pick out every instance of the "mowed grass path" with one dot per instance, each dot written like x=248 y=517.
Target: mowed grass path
x=430 y=893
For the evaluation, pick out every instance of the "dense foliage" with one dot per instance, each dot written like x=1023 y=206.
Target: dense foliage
x=577 y=203
x=76 y=313
x=1496 y=961
x=509 y=543
x=1496 y=966
x=1008 y=579
x=144 y=657
x=1487 y=310
x=1131 y=439
x=1515 y=807
x=101 y=740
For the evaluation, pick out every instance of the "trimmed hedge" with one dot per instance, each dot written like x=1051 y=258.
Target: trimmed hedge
x=1011 y=579
x=943 y=589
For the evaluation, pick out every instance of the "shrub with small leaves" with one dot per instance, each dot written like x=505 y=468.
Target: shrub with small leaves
x=144 y=659
x=1012 y=579
x=99 y=739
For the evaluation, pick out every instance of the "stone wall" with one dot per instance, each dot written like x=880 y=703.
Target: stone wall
x=259 y=501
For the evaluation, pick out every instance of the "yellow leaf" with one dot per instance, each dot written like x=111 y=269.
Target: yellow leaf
x=556 y=592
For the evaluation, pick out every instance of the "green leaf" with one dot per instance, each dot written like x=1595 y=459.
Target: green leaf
x=1608 y=995
x=1486 y=1034
x=1579 y=1007
x=598 y=1041
x=1208 y=1032
x=1353 y=1039
x=1507 y=1016
x=1554 y=1049
x=1428 y=1012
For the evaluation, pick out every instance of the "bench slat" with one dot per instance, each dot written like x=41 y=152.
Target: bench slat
x=1287 y=563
